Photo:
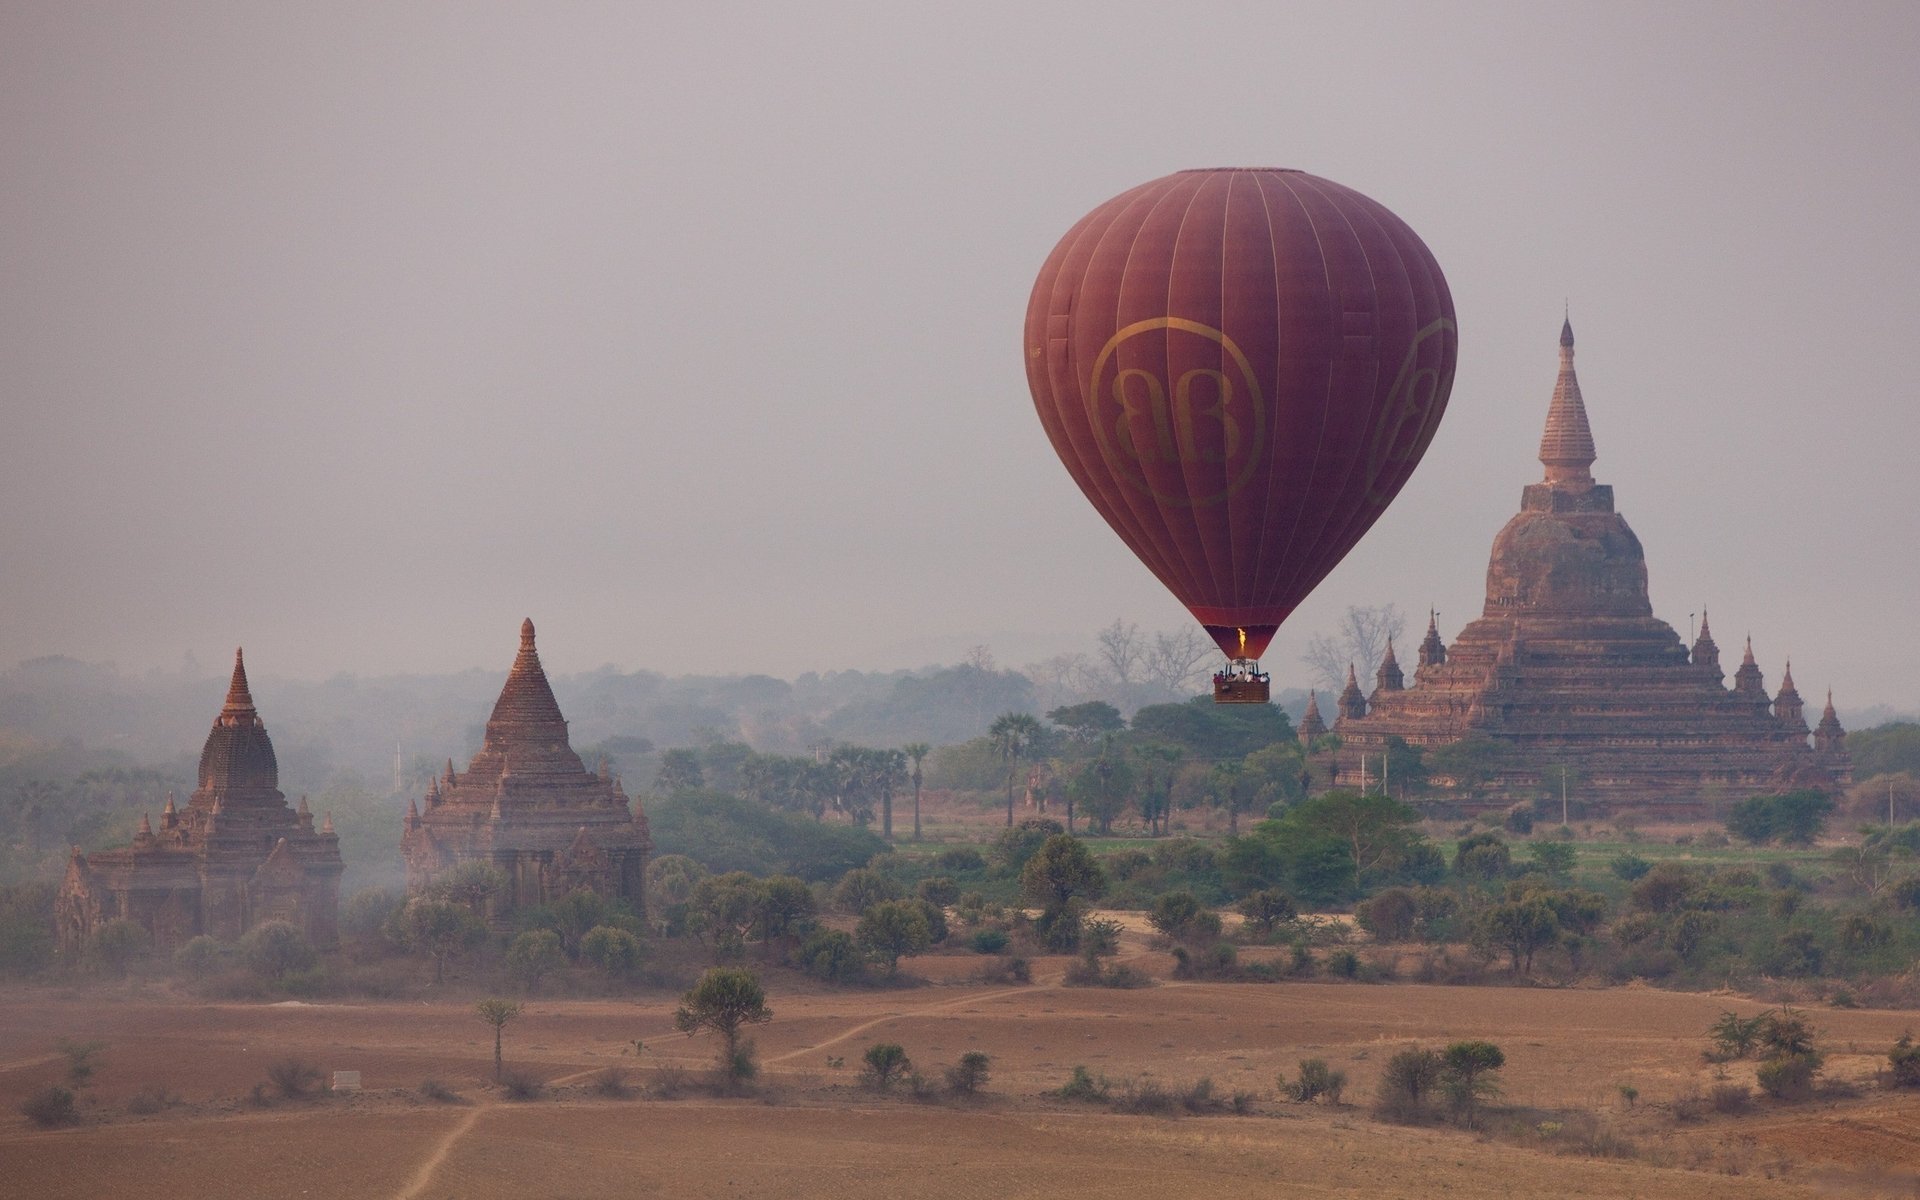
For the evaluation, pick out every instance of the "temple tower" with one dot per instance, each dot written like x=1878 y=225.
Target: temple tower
x=1388 y=678
x=1312 y=725
x=1353 y=705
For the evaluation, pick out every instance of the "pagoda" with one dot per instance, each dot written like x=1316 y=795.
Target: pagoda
x=527 y=805
x=236 y=857
x=1568 y=669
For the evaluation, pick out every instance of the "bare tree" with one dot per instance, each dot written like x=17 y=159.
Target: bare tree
x=1176 y=662
x=1361 y=641
x=1121 y=649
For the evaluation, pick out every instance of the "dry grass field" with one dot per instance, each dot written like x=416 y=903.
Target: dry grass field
x=814 y=1130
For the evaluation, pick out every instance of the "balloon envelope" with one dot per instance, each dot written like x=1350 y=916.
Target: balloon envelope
x=1240 y=368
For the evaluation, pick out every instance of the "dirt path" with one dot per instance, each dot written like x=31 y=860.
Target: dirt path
x=423 y=1175
x=923 y=1010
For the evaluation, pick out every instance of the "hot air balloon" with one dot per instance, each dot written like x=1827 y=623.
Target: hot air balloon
x=1240 y=368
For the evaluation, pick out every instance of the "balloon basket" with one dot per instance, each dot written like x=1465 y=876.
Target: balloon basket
x=1231 y=690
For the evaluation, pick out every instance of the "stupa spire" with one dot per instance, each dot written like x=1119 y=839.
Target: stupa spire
x=1312 y=725
x=1566 y=448
x=239 y=705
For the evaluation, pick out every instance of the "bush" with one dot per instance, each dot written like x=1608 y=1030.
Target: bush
x=51 y=1107
x=969 y=1075
x=1628 y=866
x=961 y=860
x=1101 y=935
x=198 y=958
x=1181 y=918
x=433 y=1089
x=277 y=949
x=296 y=1078
x=1730 y=1099
x=1789 y=1076
x=831 y=955
x=1903 y=1062
x=938 y=890
x=520 y=1085
x=1317 y=1079
x=115 y=945
x=1266 y=908
x=1407 y=1084
x=151 y=1099
x=1083 y=1085
x=988 y=941
x=533 y=956
x=884 y=1061
x=611 y=1084
x=1389 y=916
x=615 y=951
x=862 y=888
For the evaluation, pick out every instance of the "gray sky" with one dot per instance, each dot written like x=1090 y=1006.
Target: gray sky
x=355 y=333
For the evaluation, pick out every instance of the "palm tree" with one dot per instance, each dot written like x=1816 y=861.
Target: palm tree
x=889 y=772
x=916 y=751
x=1014 y=736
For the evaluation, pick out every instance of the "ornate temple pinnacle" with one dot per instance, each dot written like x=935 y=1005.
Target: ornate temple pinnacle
x=526 y=634
x=239 y=698
x=1566 y=447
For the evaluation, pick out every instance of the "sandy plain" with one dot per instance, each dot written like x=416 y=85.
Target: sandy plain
x=816 y=1132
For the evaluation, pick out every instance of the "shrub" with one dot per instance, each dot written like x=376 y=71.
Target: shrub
x=51 y=1107
x=831 y=955
x=1629 y=866
x=1181 y=918
x=1468 y=1067
x=433 y=1089
x=885 y=1060
x=151 y=1099
x=988 y=941
x=1407 y=1084
x=1317 y=1079
x=520 y=1085
x=533 y=956
x=969 y=1075
x=1903 y=1062
x=1389 y=916
x=296 y=1078
x=367 y=911
x=1730 y=1099
x=199 y=958
x=115 y=945
x=1267 y=908
x=611 y=1084
x=892 y=929
x=939 y=890
x=862 y=888
x=960 y=860
x=1101 y=935
x=277 y=949
x=80 y=1058
x=1144 y=1097
x=615 y=951
x=1788 y=1077
x=1083 y=1085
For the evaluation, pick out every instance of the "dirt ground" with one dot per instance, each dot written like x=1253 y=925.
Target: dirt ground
x=815 y=1131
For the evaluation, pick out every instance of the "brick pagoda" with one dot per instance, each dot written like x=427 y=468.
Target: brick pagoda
x=1567 y=666
x=236 y=857
x=527 y=805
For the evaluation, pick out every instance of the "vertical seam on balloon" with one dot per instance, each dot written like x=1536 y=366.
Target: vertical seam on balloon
x=1232 y=590
x=1273 y=451
x=1320 y=443
x=1153 y=519
x=1187 y=512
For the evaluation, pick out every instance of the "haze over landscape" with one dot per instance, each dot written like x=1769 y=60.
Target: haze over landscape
x=355 y=334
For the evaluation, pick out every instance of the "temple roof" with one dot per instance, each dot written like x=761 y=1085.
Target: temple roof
x=1566 y=447
x=238 y=755
x=526 y=733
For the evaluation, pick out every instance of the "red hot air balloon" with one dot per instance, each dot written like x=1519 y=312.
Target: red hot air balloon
x=1240 y=368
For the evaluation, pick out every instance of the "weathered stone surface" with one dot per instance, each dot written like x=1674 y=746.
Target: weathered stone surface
x=237 y=856
x=527 y=805
x=1568 y=666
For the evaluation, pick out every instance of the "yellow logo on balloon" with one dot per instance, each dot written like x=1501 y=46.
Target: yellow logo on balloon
x=1190 y=438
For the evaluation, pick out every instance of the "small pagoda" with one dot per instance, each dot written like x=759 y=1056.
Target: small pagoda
x=1568 y=668
x=238 y=855
x=527 y=805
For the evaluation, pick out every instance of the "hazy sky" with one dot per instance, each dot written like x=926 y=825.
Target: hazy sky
x=355 y=333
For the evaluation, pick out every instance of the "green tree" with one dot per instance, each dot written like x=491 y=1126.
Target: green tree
x=1469 y=764
x=1468 y=1069
x=782 y=910
x=1180 y=916
x=1521 y=928
x=1086 y=723
x=496 y=1013
x=885 y=1060
x=1795 y=818
x=723 y=909
x=723 y=1001
x=864 y=887
x=1482 y=856
x=473 y=883
x=892 y=929
x=680 y=771
x=114 y=945
x=439 y=929
x=1555 y=858
x=1372 y=827
x=916 y=753
x=577 y=912
x=1266 y=908
x=616 y=951
x=534 y=955
x=1015 y=736
x=276 y=949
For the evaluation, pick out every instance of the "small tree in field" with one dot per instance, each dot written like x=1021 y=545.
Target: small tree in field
x=885 y=1061
x=725 y=999
x=497 y=1013
x=894 y=928
x=1468 y=1066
